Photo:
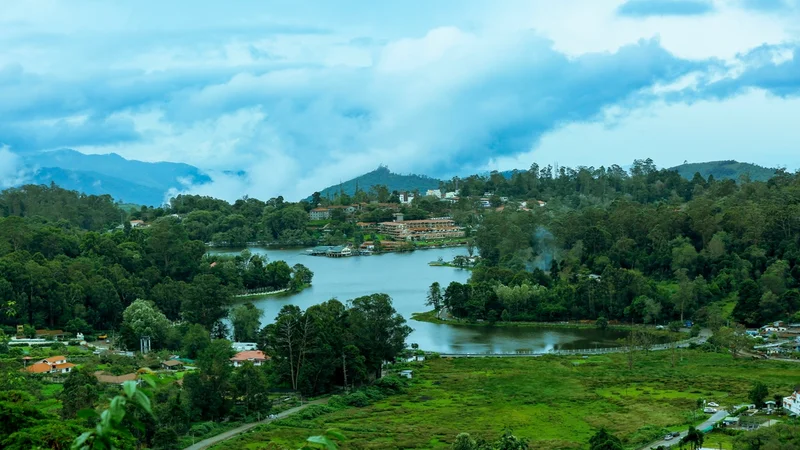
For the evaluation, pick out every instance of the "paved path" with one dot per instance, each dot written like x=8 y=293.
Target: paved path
x=713 y=420
x=206 y=443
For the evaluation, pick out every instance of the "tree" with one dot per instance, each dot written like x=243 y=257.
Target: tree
x=80 y=392
x=602 y=323
x=758 y=393
x=381 y=330
x=694 y=438
x=196 y=339
x=464 y=442
x=603 y=440
x=206 y=302
x=246 y=321
x=250 y=389
x=435 y=297
x=209 y=388
x=746 y=309
x=142 y=318
x=288 y=340
x=733 y=339
x=301 y=277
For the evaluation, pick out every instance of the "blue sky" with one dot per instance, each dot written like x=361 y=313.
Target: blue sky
x=302 y=94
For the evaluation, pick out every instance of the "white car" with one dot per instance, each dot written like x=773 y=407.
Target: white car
x=668 y=437
x=713 y=404
x=709 y=410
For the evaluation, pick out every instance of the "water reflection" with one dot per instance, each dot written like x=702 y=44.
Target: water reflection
x=406 y=278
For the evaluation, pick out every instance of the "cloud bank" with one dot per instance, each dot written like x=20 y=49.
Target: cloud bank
x=301 y=98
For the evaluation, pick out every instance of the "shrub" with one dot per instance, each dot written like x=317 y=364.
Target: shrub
x=314 y=411
x=391 y=384
x=358 y=399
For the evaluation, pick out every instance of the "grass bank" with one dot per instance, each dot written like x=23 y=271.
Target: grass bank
x=556 y=402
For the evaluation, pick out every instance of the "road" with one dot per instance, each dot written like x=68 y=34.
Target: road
x=713 y=420
x=206 y=443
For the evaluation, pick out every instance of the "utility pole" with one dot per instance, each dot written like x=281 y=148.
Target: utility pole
x=144 y=344
x=344 y=369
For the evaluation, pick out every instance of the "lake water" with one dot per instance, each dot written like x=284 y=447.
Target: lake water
x=406 y=277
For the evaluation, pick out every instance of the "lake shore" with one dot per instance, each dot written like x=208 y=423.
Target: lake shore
x=430 y=317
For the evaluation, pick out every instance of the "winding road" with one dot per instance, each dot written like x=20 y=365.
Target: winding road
x=713 y=420
x=206 y=443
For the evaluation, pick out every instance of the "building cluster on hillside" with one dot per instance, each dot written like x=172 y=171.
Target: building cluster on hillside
x=424 y=229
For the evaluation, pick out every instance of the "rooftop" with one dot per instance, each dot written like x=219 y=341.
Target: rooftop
x=39 y=368
x=250 y=355
x=172 y=363
x=114 y=379
x=54 y=359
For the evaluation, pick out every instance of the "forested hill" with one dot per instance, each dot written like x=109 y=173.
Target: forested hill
x=60 y=206
x=382 y=176
x=725 y=170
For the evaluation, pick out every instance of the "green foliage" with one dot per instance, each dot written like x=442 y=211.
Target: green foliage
x=246 y=321
x=327 y=441
x=725 y=170
x=209 y=389
x=142 y=318
x=250 y=388
x=758 y=394
x=80 y=392
x=110 y=429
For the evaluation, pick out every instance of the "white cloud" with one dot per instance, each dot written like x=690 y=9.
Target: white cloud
x=12 y=172
x=755 y=127
x=301 y=97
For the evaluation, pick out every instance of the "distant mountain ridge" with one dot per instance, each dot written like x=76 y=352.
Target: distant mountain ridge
x=383 y=176
x=126 y=180
x=725 y=170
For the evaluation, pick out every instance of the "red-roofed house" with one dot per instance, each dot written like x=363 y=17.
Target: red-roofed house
x=55 y=360
x=257 y=357
x=39 y=368
x=53 y=364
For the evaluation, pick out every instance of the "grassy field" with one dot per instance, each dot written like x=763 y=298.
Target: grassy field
x=557 y=402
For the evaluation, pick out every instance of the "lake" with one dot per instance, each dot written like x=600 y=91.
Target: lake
x=406 y=277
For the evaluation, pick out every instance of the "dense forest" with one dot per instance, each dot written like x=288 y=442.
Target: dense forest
x=645 y=246
x=65 y=263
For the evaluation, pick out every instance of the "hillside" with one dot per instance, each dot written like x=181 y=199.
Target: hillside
x=383 y=176
x=725 y=170
x=126 y=180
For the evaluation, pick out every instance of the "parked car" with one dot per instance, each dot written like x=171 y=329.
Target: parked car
x=708 y=410
x=676 y=433
x=668 y=437
x=713 y=404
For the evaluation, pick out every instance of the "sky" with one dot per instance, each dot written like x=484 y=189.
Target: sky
x=304 y=94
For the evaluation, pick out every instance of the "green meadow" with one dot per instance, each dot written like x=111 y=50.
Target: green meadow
x=556 y=402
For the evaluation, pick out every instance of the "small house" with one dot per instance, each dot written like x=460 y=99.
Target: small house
x=51 y=334
x=257 y=357
x=792 y=403
x=406 y=373
x=172 y=364
x=53 y=364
